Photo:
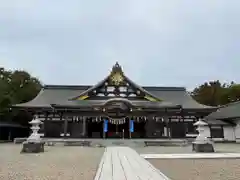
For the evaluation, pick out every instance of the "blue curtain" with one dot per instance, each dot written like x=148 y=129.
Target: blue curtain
x=105 y=125
x=131 y=126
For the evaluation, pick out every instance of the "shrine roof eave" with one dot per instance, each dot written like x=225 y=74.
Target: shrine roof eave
x=32 y=107
x=136 y=105
x=210 y=109
x=228 y=111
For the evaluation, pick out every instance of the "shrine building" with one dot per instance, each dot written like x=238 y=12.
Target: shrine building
x=116 y=107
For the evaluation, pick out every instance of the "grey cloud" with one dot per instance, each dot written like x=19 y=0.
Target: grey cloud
x=172 y=43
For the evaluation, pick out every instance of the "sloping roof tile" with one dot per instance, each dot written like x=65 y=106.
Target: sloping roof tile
x=228 y=111
x=177 y=96
x=61 y=94
x=57 y=94
x=216 y=122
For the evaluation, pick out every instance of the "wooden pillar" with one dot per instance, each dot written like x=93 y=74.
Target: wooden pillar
x=129 y=125
x=169 y=128
x=104 y=134
x=184 y=124
x=65 y=124
x=10 y=134
x=166 y=121
x=84 y=127
x=43 y=124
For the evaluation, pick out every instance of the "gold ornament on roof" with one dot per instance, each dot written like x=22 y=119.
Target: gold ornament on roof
x=117 y=78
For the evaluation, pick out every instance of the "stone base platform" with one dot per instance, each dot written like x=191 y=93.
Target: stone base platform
x=109 y=142
x=77 y=143
x=205 y=147
x=30 y=147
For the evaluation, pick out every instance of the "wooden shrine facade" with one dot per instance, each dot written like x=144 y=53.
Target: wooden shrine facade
x=116 y=107
x=55 y=125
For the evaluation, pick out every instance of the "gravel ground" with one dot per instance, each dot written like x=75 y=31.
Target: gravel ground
x=81 y=163
x=57 y=163
x=196 y=169
x=199 y=169
x=219 y=148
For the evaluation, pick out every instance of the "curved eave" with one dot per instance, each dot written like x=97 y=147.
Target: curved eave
x=201 y=109
x=222 y=117
x=13 y=125
x=73 y=106
x=134 y=106
x=31 y=107
x=90 y=89
x=33 y=103
x=196 y=106
x=141 y=89
x=228 y=111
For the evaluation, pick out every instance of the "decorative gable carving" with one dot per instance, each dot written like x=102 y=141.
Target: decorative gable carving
x=116 y=85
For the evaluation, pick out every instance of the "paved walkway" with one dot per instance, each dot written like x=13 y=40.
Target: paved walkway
x=124 y=163
x=192 y=156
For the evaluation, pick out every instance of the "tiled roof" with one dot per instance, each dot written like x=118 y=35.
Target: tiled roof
x=58 y=94
x=228 y=111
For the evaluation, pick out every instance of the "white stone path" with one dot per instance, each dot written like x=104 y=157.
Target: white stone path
x=124 y=163
x=191 y=156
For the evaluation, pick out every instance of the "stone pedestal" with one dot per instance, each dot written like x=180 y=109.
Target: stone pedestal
x=32 y=147
x=207 y=147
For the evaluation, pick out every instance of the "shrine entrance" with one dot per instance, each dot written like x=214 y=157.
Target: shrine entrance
x=94 y=129
x=118 y=124
x=118 y=129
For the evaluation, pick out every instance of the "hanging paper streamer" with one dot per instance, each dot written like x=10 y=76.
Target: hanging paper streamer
x=105 y=125
x=131 y=126
x=117 y=121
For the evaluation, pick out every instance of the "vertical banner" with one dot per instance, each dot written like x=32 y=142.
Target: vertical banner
x=131 y=126
x=105 y=125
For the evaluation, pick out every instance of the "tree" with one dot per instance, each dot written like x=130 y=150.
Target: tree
x=23 y=87
x=5 y=98
x=214 y=93
x=211 y=93
x=16 y=87
x=234 y=92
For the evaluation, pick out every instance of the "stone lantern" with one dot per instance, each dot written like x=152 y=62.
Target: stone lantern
x=34 y=143
x=202 y=143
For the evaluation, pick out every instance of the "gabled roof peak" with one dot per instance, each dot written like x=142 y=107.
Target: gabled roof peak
x=117 y=68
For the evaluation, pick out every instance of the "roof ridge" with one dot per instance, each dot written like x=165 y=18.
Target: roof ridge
x=49 y=86
x=168 y=88
x=66 y=87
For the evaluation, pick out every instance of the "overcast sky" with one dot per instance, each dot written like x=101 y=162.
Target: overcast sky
x=157 y=42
